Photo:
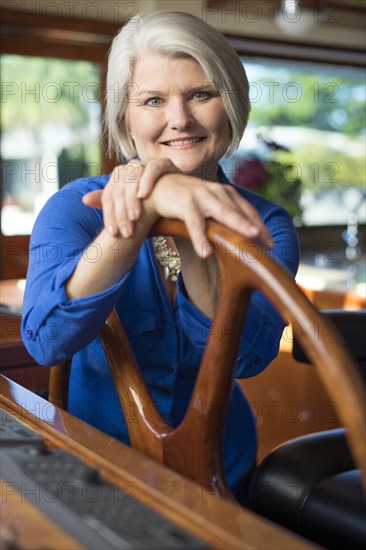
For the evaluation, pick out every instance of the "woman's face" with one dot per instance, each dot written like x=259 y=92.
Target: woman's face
x=174 y=112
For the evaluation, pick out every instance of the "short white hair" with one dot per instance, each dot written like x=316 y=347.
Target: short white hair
x=175 y=34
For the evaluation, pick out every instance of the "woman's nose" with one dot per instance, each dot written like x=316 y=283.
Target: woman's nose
x=179 y=115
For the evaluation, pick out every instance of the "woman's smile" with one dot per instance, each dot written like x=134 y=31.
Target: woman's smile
x=183 y=142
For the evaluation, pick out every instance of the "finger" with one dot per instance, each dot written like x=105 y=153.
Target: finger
x=256 y=222
x=154 y=168
x=134 y=170
x=222 y=206
x=255 y=219
x=178 y=199
x=114 y=216
x=244 y=218
x=109 y=219
x=93 y=199
x=124 y=224
x=195 y=222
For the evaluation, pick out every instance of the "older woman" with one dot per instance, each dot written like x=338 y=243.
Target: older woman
x=177 y=102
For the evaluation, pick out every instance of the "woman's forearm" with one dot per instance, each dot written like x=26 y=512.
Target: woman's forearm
x=116 y=255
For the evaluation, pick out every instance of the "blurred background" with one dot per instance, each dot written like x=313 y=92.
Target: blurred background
x=304 y=146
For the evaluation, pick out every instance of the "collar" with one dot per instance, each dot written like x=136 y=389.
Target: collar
x=222 y=176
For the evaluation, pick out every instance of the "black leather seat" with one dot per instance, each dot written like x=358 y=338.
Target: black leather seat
x=310 y=484
x=352 y=326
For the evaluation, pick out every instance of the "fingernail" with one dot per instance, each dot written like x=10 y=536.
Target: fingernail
x=126 y=231
x=112 y=230
x=140 y=194
x=132 y=214
x=253 y=231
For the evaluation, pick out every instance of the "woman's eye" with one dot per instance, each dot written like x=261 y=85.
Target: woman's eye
x=153 y=102
x=202 y=96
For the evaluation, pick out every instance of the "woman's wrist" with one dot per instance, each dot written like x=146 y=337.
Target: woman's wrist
x=149 y=213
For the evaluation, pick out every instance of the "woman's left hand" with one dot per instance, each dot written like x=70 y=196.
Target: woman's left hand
x=193 y=201
x=142 y=178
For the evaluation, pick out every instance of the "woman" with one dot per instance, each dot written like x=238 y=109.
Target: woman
x=177 y=102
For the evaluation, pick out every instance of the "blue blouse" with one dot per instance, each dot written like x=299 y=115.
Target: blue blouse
x=167 y=341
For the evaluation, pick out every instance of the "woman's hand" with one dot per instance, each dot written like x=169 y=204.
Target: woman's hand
x=128 y=185
x=179 y=196
x=193 y=201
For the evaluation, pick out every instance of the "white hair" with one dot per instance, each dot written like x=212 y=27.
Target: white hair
x=175 y=34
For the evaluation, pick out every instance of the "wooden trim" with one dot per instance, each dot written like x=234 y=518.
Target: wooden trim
x=49 y=24
x=343 y=6
x=55 y=36
x=38 y=46
x=291 y=50
x=220 y=522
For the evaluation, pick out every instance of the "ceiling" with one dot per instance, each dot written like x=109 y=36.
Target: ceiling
x=354 y=5
x=337 y=13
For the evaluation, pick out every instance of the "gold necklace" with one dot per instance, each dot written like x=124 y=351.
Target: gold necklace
x=167 y=257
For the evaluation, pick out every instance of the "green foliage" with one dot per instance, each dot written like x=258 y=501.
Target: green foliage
x=43 y=91
x=295 y=98
x=319 y=114
x=284 y=186
x=323 y=168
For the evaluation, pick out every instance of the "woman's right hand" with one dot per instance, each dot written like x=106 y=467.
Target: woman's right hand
x=129 y=184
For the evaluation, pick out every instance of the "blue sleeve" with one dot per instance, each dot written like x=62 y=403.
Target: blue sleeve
x=260 y=339
x=54 y=327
